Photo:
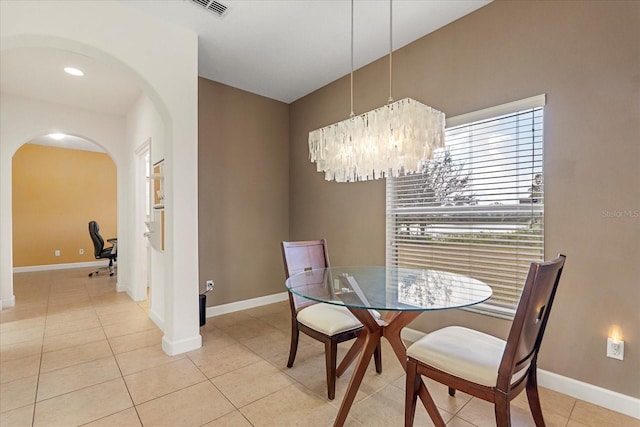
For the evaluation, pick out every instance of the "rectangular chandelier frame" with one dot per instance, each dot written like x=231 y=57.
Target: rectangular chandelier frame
x=395 y=139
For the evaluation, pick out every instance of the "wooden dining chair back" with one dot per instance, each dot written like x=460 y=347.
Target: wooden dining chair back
x=328 y=323
x=301 y=256
x=485 y=366
x=530 y=321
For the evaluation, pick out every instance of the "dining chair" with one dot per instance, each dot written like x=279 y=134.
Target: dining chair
x=485 y=366
x=328 y=323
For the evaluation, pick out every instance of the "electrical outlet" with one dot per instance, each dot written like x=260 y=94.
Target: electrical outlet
x=57 y=252
x=615 y=349
x=81 y=252
x=210 y=285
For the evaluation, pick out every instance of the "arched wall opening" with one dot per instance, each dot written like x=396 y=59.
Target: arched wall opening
x=56 y=191
x=169 y=87
x=23 y=120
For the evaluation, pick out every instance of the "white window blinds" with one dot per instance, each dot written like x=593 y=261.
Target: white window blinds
x=478 y=207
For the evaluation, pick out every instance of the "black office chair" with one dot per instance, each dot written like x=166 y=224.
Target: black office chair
x=100 y=251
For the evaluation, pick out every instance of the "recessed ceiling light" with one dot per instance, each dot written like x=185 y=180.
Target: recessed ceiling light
x=57 y=136
x=73 y=71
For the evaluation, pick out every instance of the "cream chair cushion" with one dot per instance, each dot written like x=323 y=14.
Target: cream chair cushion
x=465 y=353
x=329 y=319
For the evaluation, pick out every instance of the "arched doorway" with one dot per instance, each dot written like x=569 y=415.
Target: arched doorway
x=163 y=62
x=59 y=185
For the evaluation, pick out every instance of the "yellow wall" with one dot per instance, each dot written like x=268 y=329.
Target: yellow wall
x=56 y=192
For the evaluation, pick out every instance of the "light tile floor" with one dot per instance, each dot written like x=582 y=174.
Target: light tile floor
x=75 y=352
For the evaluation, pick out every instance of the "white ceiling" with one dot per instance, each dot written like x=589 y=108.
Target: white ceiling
x=285 y=49
x=281 y=49
x=38 y=73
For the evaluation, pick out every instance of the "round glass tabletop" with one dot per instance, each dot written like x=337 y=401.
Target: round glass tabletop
x=394 y=288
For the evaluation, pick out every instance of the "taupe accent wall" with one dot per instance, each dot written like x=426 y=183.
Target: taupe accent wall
x=585 y=55
x=243 y=192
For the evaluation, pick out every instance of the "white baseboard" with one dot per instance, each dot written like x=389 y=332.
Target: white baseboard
x=155 y=318
x=65 y=266
x=590 y=393
x=181 y=346
x=580 y=390
x=217 y=310
x=8 y=302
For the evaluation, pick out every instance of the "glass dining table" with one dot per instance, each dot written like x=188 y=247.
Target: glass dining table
x=385 y=300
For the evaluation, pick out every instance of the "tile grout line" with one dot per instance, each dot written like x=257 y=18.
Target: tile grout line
x=575 y=402
x=44 y=328
x=57 y=304
x=113 y=354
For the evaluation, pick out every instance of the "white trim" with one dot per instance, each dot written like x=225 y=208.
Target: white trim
x=7 y=303
x=155 y=318
x=217 y=310
x=122 y=288
x=137 y=297
x=65 y=266
x=498 y=110
x=609 y=399
x=181 y=346
x=141 y=265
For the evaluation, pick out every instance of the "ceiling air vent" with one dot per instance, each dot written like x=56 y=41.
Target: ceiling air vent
x=212 y=6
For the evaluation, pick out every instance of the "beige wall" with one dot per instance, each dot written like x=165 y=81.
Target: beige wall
x=56 y=192
x=586 y=57
x=243 y=167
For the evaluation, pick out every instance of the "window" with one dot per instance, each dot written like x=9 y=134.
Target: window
x=478 y=207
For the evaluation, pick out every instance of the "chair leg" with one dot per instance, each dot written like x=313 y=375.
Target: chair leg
x=503 y=410
x=377 y=358
x=411 y=393
x=452 y=391
x=534 y=399
x=351 y=355
x=293 y=349
x=331 y=356
x=96 y=272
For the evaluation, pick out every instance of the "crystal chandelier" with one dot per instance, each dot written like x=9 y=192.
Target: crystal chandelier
x=392 y=140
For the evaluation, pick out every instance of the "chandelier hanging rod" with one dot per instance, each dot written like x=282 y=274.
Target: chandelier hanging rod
x=392 y=140
x=351 y=114
x=390 y=100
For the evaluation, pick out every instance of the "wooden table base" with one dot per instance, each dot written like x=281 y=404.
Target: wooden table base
x=390 y=327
